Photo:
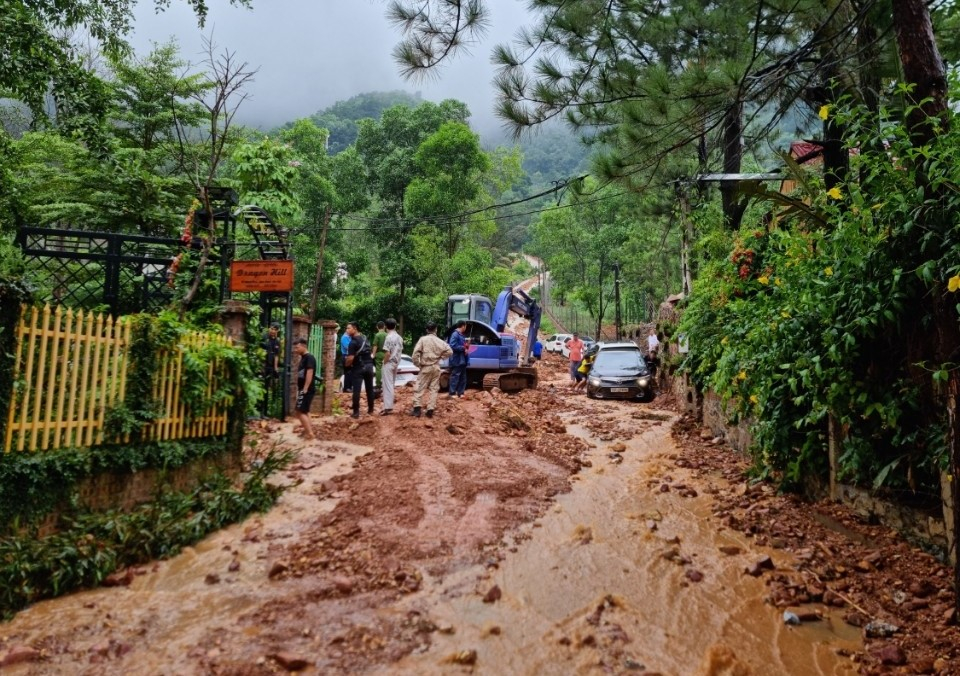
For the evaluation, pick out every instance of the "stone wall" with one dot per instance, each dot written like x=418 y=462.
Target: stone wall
x=926 y=527
x=124 y=491
x=930 y=528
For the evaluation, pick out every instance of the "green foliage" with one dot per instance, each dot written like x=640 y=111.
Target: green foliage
x=266 y=173
x=341 y=118
x=132 y=180
x=581 y=243
x=13 y=294
x=238 y=388
x=33 y=484
x=90 y=545
x=552 y=154
x=832 y=314
x=37 y=60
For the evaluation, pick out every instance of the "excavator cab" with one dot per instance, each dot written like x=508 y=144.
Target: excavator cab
x=469 y=307
x=495 y=358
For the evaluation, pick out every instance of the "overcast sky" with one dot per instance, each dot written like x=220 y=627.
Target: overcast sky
x=312 y=53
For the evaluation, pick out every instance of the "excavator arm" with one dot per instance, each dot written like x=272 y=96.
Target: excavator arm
x=517 y=300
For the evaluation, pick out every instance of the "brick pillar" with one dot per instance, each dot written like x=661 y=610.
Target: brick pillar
x=301 y=329
x=323 y=404
x=234 y=316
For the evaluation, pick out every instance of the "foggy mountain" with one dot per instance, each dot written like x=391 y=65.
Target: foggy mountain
x=311 y=54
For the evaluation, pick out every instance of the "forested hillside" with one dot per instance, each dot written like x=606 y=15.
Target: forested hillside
x=341 y=118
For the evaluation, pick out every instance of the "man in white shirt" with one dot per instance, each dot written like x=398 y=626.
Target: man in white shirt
x=653 y=344
x=392 y=349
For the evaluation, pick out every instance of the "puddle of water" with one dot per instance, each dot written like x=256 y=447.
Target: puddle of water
x=595 y=544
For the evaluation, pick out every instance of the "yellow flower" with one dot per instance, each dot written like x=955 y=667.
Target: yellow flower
x=835 y=193
x=754 y=399
x=742 y=375
x=824 y=112
x=828 y=271
x=764 y=280
x=954 y=283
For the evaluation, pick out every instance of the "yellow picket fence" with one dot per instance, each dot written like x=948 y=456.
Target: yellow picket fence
x=71 y=368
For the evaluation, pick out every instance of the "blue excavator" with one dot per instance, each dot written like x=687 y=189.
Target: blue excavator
x=496 y=358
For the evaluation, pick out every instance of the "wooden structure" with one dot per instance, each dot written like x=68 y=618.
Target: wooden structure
x=71 y=368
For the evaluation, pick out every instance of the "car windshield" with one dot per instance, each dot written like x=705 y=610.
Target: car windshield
x=620 y=360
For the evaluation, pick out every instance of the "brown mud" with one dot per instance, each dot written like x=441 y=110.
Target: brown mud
x=542 y=533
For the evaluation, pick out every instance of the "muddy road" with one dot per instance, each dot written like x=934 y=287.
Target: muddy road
x=542 y=533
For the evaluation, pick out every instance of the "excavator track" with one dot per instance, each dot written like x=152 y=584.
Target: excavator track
x=512 y=381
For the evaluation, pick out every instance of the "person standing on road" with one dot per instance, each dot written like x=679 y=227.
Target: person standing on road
x=378 y=339
x=360 y=360
x=392 y=349
x=306 y=386
x=653 y=344
x=459 y=360
x=426 y=356
x=575 y=345
x=271 y=365
x=653 y=351
x=344 y=346
x=584 y=369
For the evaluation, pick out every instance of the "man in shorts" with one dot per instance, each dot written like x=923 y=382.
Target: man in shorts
x=575 y=345
x=306 y=388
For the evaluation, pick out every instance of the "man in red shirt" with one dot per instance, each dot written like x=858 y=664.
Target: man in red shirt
x=575 y=345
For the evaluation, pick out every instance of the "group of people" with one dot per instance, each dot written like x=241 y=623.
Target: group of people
x=364 y=360
x=582 y=361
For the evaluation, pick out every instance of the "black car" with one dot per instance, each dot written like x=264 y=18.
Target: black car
x=620 y=372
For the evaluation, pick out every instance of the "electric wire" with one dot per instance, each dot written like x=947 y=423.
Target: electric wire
x=383 y=224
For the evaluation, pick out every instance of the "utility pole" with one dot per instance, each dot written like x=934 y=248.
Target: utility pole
x=314 y=298
x=616 y=297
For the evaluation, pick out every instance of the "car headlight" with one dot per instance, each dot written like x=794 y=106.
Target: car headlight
x=594 y=381
x=643 y=382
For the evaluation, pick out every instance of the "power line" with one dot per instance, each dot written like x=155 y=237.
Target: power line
x=379 y=224
x=454 y=219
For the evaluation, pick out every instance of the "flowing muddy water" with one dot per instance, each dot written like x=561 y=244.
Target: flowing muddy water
x=588 y=587
x=591 y=587
x=171 y=614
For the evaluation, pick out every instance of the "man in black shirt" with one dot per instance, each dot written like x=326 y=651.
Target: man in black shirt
x=271 y=366
x=306 y=388
x=360 y=360
x=271 y=345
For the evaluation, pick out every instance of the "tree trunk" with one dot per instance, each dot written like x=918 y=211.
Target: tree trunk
x=686 y=243
x=924 y=69
x=403 y=295
x=314 y=297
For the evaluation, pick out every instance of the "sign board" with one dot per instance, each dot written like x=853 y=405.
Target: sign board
x=276 y=276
